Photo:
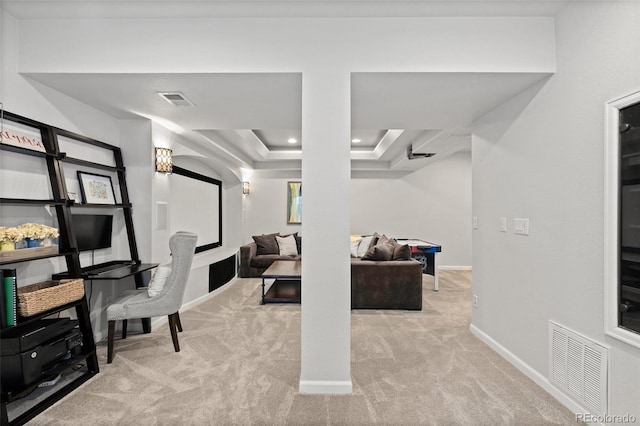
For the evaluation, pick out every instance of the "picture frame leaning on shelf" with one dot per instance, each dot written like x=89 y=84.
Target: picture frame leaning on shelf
x=96 y=189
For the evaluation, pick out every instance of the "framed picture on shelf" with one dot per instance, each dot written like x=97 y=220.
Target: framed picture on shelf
x=96 y=189
x=21 y=136
x=294 y=202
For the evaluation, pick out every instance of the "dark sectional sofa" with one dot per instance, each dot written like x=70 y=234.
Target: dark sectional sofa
x=375 y=284
x=388 y=284
x=253 y=265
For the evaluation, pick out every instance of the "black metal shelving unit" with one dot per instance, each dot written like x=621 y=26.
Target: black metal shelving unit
x=63 y=206
x=36 y=399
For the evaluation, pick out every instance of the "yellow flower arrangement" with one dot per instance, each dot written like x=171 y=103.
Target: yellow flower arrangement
x=37 y=231
x=10 y=234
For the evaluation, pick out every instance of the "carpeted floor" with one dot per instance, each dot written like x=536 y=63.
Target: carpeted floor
x=240 y=364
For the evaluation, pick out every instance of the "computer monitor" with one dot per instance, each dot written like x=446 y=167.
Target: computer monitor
x=92 y=231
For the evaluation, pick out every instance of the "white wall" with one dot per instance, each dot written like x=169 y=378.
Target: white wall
x=432 y=204
x=138 y=160
x=265 y=209
x=542 y=157
x=232 y=213
x=38 y=102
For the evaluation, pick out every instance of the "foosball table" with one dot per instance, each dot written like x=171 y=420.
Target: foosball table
x=425 y=253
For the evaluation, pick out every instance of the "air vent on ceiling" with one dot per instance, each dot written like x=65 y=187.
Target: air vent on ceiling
x=579 y=367
x=415 y=155
x=176 y=99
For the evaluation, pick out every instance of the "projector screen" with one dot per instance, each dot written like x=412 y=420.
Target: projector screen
x=196 y=206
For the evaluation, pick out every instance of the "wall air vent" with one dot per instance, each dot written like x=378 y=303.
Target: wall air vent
x=579 y=367
x=176 y=99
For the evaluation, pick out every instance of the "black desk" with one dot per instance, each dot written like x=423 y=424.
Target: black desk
x=123 y=271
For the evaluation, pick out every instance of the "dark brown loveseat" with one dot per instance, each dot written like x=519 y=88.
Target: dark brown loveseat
x=389 y=284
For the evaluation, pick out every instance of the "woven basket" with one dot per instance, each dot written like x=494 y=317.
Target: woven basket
x=40 y=297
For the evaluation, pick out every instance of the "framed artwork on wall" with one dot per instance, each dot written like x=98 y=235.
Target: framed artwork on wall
x=191 y=188
x=22 y=136
x=96 y=189
x=294 y=202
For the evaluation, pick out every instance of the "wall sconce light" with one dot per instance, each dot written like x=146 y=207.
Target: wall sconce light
x=245 y=188
x=164 y=160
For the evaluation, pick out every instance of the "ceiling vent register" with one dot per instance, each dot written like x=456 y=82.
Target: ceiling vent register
x=176 y=99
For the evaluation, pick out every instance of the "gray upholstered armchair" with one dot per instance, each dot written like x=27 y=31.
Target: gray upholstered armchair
x=137 y=303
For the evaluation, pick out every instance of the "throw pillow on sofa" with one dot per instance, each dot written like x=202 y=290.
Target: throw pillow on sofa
x=159 y=279
x=298 y=243
x=382 y=239
x=365 y=244
x=287 y=245
x=354 y=247
x=401 y=252
x=379 y=252
x=266 y=244
x=386 y=248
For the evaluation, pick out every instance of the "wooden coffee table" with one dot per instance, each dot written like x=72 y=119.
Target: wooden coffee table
x=281 y=282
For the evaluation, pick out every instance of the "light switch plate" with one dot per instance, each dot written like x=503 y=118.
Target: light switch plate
x=521 y=226
x=476 y=222
x=162 y=215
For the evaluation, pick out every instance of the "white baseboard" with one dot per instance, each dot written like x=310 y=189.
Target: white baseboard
x=208 y=296
x=528 y=371
x=330 y=387
x=163 y=319
x=454 y=268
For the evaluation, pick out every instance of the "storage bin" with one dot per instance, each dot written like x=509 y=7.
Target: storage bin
x=40 y=297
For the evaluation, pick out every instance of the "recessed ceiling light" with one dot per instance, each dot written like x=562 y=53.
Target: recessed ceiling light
x=292 y=140
x=356 y=140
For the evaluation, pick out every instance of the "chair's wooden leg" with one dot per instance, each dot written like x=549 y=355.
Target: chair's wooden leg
x=146 y=325
x=111 y=332
x=178 y=323
x=124 y=329
x=174 y=332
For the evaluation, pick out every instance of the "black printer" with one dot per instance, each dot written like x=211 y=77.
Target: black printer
x=30 y=353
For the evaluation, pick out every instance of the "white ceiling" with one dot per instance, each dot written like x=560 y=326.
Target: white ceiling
x=244 y=120
x=105 y=9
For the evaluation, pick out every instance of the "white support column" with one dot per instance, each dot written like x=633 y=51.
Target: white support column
x=326 y=268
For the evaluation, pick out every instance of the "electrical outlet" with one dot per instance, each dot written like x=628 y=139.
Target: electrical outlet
x=476 y=222
x=503 y=224
x=475 y=301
